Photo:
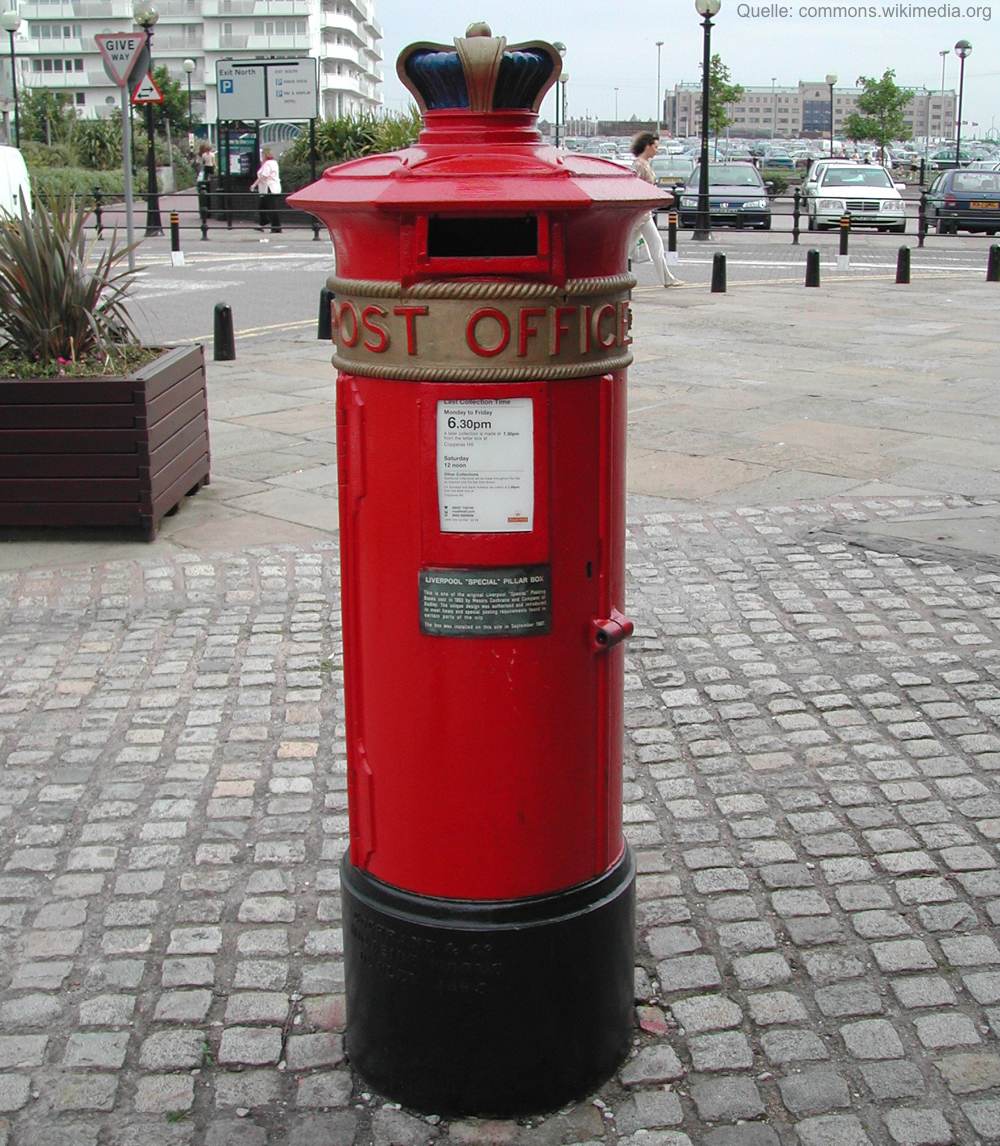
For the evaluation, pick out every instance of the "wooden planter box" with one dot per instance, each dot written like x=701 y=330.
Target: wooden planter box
x=104 y=451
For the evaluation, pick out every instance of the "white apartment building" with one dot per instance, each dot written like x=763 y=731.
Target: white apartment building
x=55 y=47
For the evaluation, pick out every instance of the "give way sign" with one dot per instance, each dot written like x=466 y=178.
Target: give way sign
x=120 y=52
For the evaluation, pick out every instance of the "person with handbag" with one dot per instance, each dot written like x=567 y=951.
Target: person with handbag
x=268 y=186
x=644 y=147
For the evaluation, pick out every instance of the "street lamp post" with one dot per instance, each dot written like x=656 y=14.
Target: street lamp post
x=962 y=49
x=774 y=107
x=563 y=81
x=10 y=22
x=830 y=81
x=944 y=57
x=189 y=66
x=145 y=16
x=561 y=49
x=707 y=9
x=616 y=105
x=659 y=88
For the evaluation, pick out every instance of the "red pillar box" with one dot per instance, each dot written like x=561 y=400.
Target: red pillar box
x=481 y=320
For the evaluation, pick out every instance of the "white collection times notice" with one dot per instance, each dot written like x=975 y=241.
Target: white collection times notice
x=486 y=465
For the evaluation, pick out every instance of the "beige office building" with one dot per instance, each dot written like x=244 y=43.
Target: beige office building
x=803 y=111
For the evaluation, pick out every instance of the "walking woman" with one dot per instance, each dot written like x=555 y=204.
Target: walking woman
x=268 y=185
x=644 y=147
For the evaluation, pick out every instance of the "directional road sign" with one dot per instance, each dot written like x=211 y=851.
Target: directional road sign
x=267 y=89
x=120 y=51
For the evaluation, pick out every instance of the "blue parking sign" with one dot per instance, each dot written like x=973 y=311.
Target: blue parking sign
x=226 y=87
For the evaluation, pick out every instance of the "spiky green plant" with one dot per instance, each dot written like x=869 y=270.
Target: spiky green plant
x=58 y=300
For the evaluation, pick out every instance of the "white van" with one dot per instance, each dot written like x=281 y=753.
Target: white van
x=13 y=181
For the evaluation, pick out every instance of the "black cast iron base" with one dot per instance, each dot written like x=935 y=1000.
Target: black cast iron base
x=494 y=1008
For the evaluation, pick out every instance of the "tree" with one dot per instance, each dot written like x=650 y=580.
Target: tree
x=46 y=116
x=175 y=102
x=879 y=117
x=721 y=93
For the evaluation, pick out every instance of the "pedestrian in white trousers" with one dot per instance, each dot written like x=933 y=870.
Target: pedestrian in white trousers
x=644 y=147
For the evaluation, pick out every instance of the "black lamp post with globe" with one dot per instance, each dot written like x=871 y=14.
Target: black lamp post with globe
x=10 y=22
x=145 y=15
x=962 y=49
x=707 y=9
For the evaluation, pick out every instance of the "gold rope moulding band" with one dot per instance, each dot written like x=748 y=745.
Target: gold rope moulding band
x=541 y=373
x=481 y=288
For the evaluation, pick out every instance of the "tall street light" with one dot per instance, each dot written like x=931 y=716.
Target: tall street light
x=145 y=15
x=10 y=22
x=189 y=66
x=561 y=49
x=944 y=58
x=563 y=81
x=830 y=81
x=962 y=49
x=616 y=105
x=707 y=9
x=659 y=88
x=774 y=107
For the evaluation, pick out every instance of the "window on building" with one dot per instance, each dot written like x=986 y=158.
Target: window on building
x=80 y=99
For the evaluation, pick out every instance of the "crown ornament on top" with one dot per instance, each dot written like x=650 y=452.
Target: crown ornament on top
x=480 y=73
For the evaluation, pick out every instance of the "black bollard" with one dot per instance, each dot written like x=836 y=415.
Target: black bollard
x=203 y=209
x=903 y=266
x=324 y=328
x=315 y=227
x=922 y=219
x=672 y=231
x=845 y=233
x=718 y=273
x=225 y=339
x=175 y=231
x=796 y=216
x=812 y=268
x=98 y=219
x=993 y=264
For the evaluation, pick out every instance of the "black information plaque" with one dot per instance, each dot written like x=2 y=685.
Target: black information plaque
x=512 y=601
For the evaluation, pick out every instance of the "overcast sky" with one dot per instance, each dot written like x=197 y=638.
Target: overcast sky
x=613 y=45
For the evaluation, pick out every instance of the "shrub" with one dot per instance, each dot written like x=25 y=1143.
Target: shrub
x=38 y=155
x=778 y=176
x=49 y=184
x=58 y=302
x=338 y=140
x=98 y=143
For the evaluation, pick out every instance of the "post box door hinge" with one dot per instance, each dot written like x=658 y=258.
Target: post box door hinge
x=607 y=633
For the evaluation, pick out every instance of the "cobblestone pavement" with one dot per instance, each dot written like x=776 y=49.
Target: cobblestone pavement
x=812 y=793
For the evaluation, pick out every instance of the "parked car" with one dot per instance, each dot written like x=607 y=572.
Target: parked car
x=737 y=197
x=865 y=192
x=14 y=182
x=944 y=159
x=785 y=162
x=672 y=170
x=984 y=165
x=965 y=200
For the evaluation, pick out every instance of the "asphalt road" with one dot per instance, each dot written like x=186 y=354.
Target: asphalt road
x=272 y=283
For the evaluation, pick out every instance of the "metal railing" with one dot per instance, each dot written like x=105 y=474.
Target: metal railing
x=210 y=211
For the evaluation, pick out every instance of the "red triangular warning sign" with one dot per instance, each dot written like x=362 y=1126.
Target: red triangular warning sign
x=146 y=91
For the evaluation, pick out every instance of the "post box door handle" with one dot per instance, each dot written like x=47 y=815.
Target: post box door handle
x=605 y=634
